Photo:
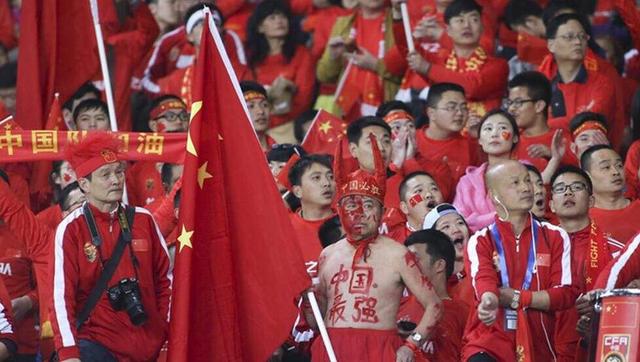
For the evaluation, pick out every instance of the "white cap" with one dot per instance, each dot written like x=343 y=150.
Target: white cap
x=436 y=213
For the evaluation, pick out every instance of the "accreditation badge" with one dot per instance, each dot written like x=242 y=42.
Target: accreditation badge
x=510 y=320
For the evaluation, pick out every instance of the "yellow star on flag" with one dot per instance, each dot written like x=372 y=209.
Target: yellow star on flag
x=203 y=174
x=195 y=108
x=325 y=127
x=588 y=280
x=185 y=238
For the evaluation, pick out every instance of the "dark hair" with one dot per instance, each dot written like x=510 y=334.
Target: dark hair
x=330 y=231
x=257 y=45
x=437 y=90
x=459 y=7
x=300 y=121
x=63 y=196
x=558 y=21
x=505 y=114
x=192 y=10
x=538 y=86
x=249 y=85
x=403 y=185
x=517 y=12
x=389 y=106
x=282 y=152
x=8 y=75
x=533 y=169
x=166 y=173
x=585 y=159
x=555 y=6
x=583 y=117
x=302 y=165
x=89 y=104
x=84 y=89
x=575 y=170
x=354 y=130
x=4 y=176
x=438 y=245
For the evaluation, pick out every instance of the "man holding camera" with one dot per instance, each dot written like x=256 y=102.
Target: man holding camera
x=111 y=275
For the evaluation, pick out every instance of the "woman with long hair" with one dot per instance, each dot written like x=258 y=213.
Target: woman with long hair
x=279 y=63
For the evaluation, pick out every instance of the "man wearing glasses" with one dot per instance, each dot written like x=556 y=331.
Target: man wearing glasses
x=442 y=140
x=577 y=82
x=144 y=183
x=528 y=103
x=571 y=198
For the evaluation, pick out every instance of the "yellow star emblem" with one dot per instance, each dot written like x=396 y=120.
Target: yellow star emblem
x=203 y=174
x=325 y=127
x=588 y=280
x=185 y=238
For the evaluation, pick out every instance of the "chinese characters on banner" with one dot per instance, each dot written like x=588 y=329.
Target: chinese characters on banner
x=37 y=145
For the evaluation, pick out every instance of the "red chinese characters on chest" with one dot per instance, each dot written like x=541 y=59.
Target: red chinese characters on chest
x=360 y=281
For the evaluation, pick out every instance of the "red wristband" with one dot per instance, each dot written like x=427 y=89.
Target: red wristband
x=526 y=297
x=411 y=346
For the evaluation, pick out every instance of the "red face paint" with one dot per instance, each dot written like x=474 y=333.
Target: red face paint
x=410 y=259
x=354 y=219
x=415 y=200
x=161 y=127
x=66 y=177
x=506 y=135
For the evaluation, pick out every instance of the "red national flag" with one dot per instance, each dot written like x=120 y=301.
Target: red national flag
x=347 y=93
x=57 y=53
x=238 y=264
x=39 y=182
x=324 y=134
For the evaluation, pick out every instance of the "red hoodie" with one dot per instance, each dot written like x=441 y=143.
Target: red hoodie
x=553 y=260
x=76 y=269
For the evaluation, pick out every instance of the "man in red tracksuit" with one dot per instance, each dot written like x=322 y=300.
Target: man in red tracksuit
x=516 y=303
x=110 y=333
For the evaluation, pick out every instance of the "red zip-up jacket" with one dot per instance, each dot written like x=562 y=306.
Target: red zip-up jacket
x=553 y=262
x=77 y=267
x=623 y=270
x=18 y=277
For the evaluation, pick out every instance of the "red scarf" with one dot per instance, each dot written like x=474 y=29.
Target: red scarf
x=598 y=255
x=362 y=248
x=524 y=347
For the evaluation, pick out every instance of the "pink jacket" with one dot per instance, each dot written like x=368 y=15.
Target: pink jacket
x=472 y=198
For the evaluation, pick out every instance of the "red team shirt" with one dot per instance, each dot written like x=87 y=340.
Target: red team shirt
x=620 y=225
x=460 y=151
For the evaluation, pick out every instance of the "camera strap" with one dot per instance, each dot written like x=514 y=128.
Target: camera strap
x=125 y=218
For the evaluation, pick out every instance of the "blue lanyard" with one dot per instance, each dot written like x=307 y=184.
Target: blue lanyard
x=504 y=274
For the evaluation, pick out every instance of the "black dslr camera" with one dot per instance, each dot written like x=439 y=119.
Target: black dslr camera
x=126 y=296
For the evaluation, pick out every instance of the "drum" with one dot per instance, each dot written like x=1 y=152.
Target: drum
x=618 y=334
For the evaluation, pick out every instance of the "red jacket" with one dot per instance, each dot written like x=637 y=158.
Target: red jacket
x=621 y=271
x=566 y=336
x=144 y=184
x=76 y=269
x=553 y=260
x=51 y=216
x=609 y=221
x=17 y=275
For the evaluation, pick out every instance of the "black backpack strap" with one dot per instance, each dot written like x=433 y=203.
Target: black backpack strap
x=110 y=266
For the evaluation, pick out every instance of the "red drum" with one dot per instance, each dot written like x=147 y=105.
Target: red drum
x=619 y=326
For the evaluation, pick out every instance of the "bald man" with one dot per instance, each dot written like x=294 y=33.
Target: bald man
x=516 y=305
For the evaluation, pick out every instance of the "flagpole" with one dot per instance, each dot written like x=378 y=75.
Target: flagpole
x=321 y=326
x=313 y=122
x=103 y=64
x=407 y=27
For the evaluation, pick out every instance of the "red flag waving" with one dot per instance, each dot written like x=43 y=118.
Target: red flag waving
x=57 y=53
x=324 y=134
x=238 y=265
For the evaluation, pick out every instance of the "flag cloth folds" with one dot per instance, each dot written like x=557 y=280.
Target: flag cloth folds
x=238 y=264
x=324 y=134
x=57 y=54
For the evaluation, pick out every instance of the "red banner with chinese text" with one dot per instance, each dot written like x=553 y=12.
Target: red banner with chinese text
x=48 y=145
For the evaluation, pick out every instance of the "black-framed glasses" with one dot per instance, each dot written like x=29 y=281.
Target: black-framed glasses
x=173 y=116
x=516 y=103
x=561 y=188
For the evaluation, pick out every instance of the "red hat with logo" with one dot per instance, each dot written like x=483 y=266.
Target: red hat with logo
x=361 y=182
x=95 y=150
